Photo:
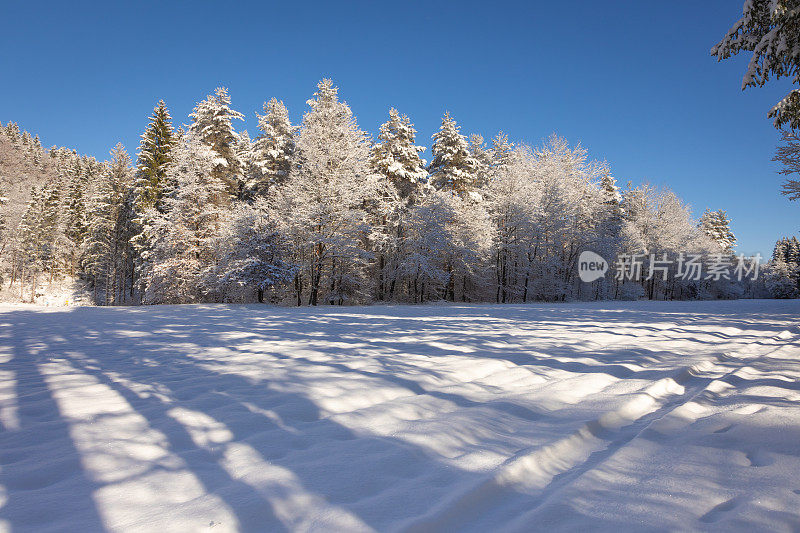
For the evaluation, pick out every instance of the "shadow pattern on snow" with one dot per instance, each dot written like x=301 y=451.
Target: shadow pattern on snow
x=172 y=359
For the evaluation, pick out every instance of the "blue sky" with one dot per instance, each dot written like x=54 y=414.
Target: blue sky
x=633 y=82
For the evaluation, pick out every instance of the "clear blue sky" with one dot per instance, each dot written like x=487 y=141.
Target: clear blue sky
x=632 y=81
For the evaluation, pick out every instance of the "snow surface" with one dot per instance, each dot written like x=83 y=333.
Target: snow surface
x=644 y=415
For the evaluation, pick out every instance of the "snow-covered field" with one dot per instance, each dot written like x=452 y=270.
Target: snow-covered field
x=647 y=415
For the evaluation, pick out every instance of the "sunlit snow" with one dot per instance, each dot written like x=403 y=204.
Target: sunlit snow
x=666 y=415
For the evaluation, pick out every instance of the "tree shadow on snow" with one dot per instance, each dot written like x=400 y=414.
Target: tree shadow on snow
x=174 y=357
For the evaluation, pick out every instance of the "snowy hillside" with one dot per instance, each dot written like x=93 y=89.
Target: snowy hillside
x=668 y=415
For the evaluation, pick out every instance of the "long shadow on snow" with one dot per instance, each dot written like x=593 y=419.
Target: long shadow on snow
x=293 y=450
x=125 y=359
x=33 y=472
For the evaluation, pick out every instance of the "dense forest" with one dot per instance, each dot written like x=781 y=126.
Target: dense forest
x=323 y=213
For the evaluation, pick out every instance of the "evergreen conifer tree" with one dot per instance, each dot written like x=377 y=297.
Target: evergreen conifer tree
x=155 y=155
x=323 y=200
x=273 y=149
x=453 y=167
x=212 y=124
x=716 y=225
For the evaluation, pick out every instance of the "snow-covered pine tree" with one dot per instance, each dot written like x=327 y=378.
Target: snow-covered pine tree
x=612 y=215
x=180 y=242
x=38 y=232
x=13 y=133
x=779 y=253
x=155 y=155
x=3 y=223
x=78 y=175
x=611 y=195
x=3 y=202
x=484 y=158
x=26 y=139
x=788 y=155
x=29 y=264
x=245 y=155
x=609 y=231
x=50 y=225
x=502 y=150
x=108 y=247
x=153 y=184
x=212 y=124
x=780 y=279
x=400 y=170
x=716 y=225
x=453 y=167
x=793 y=251
x=75 y=221
x=397 y=158
x=771 y=30
x=322 y=202
x=273 y=149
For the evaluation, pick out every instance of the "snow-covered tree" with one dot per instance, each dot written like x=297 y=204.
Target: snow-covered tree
x=251 y=254
x=212 y=124
x=3 y=221
x=771 y=30
x=446 y=250
x=7 y=241
x=453 y=167
x=787 y=250
x=612 y=213
x=320 y=215
x=716 y=225
x=502 y=150
x=780 y=279
x=108 y=247
x=79 y=180
x=565 y=221
x=155 y=155
x=246 y=156
x=322 y=202
x=38 y=233
x=657 y=222
x=397 y=158
x=181 y=240
x=513 y=197
x=788 y=155
x=273 y=149
x=793 y=251
x=779 y=252
x=484 y=158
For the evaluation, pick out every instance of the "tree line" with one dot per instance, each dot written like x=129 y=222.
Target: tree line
x=322 y=213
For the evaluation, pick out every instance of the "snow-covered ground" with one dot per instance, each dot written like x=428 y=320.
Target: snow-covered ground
x=647 y=415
